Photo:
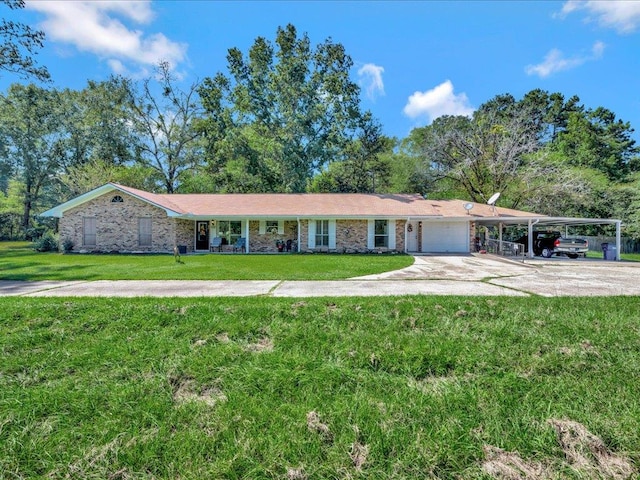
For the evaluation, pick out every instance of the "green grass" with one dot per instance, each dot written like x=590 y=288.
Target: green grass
x=20 y=262
x=630 y=257
x=221 y=388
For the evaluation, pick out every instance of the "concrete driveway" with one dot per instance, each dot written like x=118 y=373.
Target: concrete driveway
x=481 y=275
x=544 y=277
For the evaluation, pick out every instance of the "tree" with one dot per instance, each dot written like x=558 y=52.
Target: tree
x=98 y=140
x=284 y=113
x=165 y=125
x=540 y=152
x=11 y=211
x=365 y=169
x=19 y=43
x=596 y=139
x=30 y=128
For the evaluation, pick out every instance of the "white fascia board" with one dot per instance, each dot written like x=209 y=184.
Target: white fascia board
x=95 y=193
x=74 y=202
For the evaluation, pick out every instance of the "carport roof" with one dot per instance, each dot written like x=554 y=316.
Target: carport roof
x=547 y=221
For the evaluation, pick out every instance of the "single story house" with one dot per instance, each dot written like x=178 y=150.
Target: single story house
x=116 y=218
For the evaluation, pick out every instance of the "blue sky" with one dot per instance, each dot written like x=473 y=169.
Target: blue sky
x=414 y=60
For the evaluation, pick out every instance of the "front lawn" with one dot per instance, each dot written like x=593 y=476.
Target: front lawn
x=18 y=261
x=267 y=388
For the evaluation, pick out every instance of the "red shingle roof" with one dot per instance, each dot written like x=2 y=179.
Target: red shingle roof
x=306 y=205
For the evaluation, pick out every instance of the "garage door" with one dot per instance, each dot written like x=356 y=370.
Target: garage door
x=445 y=237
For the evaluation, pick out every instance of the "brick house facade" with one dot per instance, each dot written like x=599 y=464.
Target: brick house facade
x=115 y=218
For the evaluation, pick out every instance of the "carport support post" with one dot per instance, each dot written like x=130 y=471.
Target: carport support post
x=618 y=240
x=500 y=237
x=530 y=238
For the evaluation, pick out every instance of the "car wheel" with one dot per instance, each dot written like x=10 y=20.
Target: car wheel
x=547 y=252
x=572 y=255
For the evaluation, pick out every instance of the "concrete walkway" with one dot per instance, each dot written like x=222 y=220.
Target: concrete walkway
x=477 y=275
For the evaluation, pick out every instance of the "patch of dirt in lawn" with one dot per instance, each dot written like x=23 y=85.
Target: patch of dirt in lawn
x=296 y=474
x=315 y=424
x=98 y=462
x=510 y=466
x=584 y=452
x=186 y=390
x=265 y=344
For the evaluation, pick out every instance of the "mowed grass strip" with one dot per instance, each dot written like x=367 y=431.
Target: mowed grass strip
x=19 y=262
x=409 y=387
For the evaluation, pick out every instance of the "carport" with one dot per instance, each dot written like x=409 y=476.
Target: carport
x=544 y=221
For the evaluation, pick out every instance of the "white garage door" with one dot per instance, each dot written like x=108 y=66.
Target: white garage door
x=445 y=237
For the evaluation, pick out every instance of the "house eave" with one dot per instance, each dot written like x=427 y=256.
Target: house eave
x=58 y=211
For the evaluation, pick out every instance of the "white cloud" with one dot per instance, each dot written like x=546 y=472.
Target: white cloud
x=371 y=78
x=99 y=27
x=437 y=102
x=621 y=15
x=555 y=61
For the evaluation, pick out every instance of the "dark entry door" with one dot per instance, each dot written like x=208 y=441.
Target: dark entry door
x=202 y=235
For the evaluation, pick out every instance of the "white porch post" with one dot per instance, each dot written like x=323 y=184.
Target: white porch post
x=246 y=235
x=406 y=234
x=500 y=237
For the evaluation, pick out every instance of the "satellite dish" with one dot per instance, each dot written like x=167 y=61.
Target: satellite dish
x=494 y=198
x=468 y=206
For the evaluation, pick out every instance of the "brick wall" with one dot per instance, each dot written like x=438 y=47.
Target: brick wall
x=267 y=241
x=117 y=229
x=351 y=236
x=117 y=225
x=185 y=233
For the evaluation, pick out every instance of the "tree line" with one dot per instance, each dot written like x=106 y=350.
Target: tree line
x=286 y=117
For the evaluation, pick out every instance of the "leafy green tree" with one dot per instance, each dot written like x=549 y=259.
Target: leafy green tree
x=11 y=210
x=596 y=139
x=283 y=114
x=365 y=168
x=31 y=130
x=164 y=118
x=83 y=177
x=18 y=44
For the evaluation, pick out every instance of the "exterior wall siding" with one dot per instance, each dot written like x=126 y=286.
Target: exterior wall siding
x=117 y=225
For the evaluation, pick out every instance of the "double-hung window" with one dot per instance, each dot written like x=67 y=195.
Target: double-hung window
x=271 y=226
x=144 y=231
x=381 y=233
x=322 y=233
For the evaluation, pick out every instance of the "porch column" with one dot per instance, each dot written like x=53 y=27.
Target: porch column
x=530 y=239
x=246 y=235
x=500 y=237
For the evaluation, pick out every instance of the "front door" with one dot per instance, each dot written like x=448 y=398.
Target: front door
x=202 y=235
x=412 y=237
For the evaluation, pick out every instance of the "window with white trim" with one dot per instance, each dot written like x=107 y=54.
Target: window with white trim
x=144 y=231
x=271 y=226
x=230 y=231
x=381 y=233
x=89 y=231
x=322 y=233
